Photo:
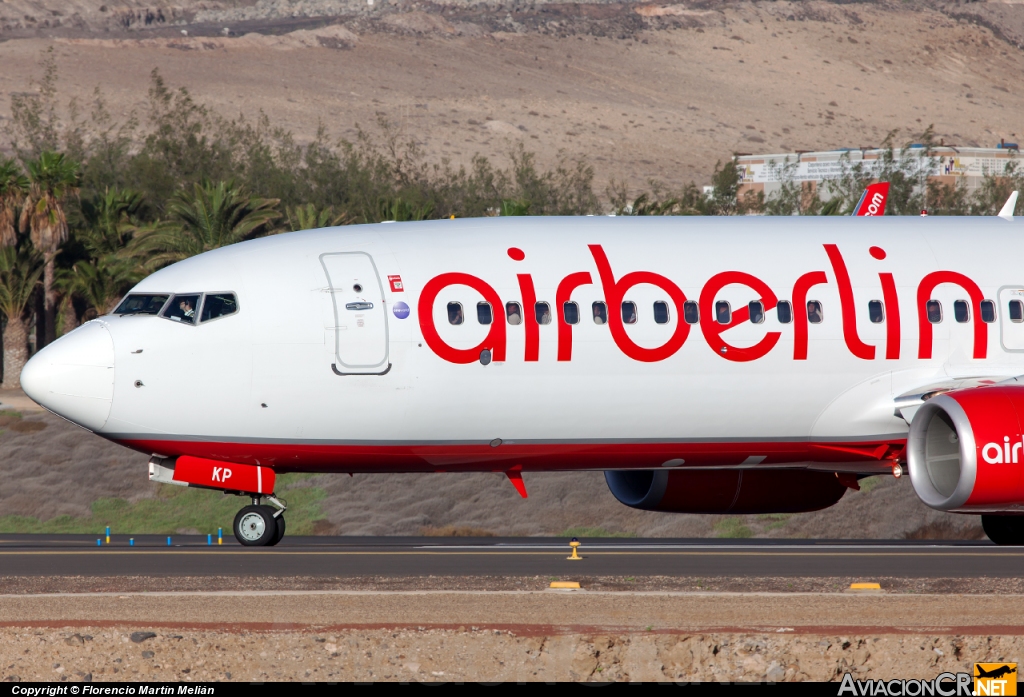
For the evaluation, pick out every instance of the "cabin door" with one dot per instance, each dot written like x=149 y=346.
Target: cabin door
x=360 y=318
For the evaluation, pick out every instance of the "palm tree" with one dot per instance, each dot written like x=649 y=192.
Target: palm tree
x=13 y=187
x=202 y=218
x=307 y=217
x=19 y=277
x=52 y=179
x=111 y=220
x=102 y=279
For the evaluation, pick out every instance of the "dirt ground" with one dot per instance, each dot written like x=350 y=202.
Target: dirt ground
x=501 y=636
x=645 y=91
x=85 y=653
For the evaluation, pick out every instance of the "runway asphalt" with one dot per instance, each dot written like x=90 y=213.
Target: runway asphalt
x=79 y=555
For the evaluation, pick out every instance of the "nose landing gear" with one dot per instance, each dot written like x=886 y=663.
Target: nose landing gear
x=260 y=525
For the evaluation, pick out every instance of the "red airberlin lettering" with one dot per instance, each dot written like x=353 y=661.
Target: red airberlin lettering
x=857 y=347
x=800 y=289
x=495 y=339
x=713 y=330
x=924 y=294
x=532 y=351
x=562 y=296
x=891 y=303
x=614 y=292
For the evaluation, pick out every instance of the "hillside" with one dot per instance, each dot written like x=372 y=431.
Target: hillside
x=644 y=91
x=58 y=478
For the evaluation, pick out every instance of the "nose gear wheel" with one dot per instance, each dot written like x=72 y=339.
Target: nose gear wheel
x=256 y=526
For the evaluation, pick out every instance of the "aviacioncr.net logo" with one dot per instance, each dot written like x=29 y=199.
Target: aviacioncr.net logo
x=945 y=685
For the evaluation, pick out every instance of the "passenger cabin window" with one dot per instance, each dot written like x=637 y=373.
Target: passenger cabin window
x=876 y=312
x=661 y=312
x=988 y=311
x=571 y=313
x=141 y=304
x=514 y=313
x=933 y=309
x=182 y=308
x=784 y=311
x=961 y=311
x=483 y=313
x=543 y=313
x=1016 y=311
x=691 y=313
x=756 y=311
x=814 y=312
x=600 y=313
x=217 y=305
x=629 y=312
x=723 y=312
x=455 y=313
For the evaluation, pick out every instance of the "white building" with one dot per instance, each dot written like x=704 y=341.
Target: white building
x=946 y=164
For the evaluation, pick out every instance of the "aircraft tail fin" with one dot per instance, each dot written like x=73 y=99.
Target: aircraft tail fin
x=1006 y=212
x=872 y=201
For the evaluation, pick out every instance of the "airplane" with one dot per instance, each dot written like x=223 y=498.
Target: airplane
x=705 y=365
x=995 y=672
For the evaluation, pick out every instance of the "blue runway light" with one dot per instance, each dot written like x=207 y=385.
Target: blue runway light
x=209 y=540
x=99 y=542
x=131 y=541
x=168 y=541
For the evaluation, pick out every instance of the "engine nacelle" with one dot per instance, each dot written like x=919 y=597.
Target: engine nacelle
x=726 y=490
x=966 y=450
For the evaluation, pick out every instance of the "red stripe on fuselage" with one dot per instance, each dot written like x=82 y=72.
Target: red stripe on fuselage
x=534 y=457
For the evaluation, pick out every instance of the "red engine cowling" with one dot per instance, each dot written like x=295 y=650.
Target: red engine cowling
x=726 y=490
x=966 y=450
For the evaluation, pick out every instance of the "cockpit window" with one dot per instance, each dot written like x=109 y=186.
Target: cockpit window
x=182 y=308
x=141 y=304
x=218 y=305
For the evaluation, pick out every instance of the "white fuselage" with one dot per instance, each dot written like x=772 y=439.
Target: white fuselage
x=298 y=381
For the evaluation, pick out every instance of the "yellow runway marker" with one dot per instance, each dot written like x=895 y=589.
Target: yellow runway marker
x=566 y=585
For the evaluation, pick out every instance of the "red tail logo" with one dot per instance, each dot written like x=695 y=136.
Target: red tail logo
x=873 y=200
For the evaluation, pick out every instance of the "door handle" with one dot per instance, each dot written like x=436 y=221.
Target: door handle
x=359 y=306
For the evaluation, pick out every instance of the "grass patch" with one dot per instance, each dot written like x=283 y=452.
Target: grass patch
x=732 y=528
x=869 y=483
x=594 y=532
x=173 y=510
x=774 y=521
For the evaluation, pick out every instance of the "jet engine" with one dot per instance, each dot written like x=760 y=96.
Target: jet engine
x=965 y=452
x=726 y=490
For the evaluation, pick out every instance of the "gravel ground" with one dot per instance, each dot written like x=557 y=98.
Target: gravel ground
x=474 y=654
x=22 y=585
x=234 y=632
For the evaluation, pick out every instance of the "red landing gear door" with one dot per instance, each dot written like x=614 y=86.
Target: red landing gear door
x=213 y=474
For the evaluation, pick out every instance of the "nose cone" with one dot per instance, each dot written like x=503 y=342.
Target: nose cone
x=74 y=376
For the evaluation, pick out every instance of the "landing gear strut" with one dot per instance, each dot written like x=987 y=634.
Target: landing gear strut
x=259 y=525
x=1004 y=529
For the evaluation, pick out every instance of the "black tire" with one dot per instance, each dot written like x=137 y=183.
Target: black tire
x=255 y=526
x=280 y=530
x=1004 y=529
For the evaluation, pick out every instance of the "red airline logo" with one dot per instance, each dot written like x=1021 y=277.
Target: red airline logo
x=616 y=289
x=873 y=200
